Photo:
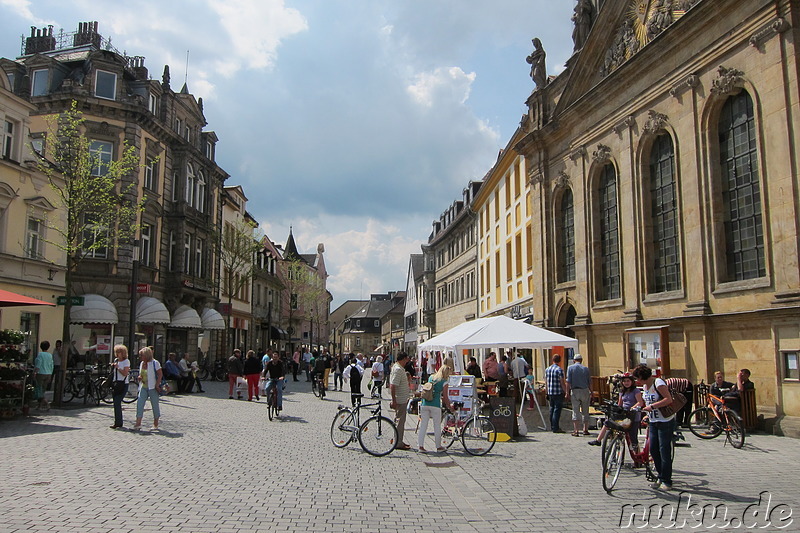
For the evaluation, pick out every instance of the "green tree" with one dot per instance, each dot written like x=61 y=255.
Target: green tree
x=237 y=246
x=96 y=196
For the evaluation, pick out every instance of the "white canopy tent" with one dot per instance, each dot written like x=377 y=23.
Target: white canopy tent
x=493 y=332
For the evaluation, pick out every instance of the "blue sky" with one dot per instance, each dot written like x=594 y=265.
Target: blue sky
x=357 y=122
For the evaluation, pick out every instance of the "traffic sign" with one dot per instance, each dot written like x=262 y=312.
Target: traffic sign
x=74 y=300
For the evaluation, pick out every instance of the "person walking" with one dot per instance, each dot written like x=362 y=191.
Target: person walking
x=401 y=392
x=554 y=378
x=662 y=428
x=295 y=364
x=252 y=373
x=235 y=371
x=194 y=377
x=121 y=367
x=150 y=375
x=377 y=376
x=339 y=364
x=307 y=356
x=432 y=409
x=579 y=389
x=43 y=373
x=353 y=374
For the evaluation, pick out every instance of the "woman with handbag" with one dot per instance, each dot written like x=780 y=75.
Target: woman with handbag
x=150 y=375
x=662 y=428
x=377 y=377
x=119 y=383
x=432 y=409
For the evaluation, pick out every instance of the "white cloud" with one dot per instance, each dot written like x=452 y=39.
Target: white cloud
x=22 y=8
x=256 y=28
x=441 y=86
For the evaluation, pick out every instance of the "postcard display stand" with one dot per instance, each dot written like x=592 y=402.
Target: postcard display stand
x=461 y=388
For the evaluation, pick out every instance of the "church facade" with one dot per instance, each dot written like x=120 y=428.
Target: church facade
x=662 y=176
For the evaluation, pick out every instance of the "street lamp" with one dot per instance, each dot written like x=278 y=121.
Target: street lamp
x=134 y=283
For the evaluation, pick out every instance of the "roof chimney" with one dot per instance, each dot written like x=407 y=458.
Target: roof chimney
x=40 y=41
x=86 y=34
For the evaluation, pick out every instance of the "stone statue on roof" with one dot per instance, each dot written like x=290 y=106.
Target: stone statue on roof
x=582 y=18
x=537 y=62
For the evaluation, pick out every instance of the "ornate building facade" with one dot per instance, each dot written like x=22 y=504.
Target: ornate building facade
x=664 y=193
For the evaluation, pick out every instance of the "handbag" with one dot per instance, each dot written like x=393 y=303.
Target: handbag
x=678 y=401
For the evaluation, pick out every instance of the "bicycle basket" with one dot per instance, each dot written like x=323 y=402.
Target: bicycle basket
x=620 y=425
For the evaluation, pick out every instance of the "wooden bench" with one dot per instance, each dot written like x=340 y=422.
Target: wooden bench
x=600 y=390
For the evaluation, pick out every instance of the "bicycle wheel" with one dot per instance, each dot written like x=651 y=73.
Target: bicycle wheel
x=735 y=429
x=68 y=392
x=704 y=424
x=271 y=411
x=449 y=430
x=104 y=393
x=321 y=391
x=132 y=392
x=377 y=435
x=314 y=388
x=613 y=459
x=341 y=437
x=203 y=374
x=478 y=435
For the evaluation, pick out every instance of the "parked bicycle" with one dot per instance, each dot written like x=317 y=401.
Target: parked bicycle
x=710 y=421
x=377 y=435
x=616 y=439
x=81 y=384
x=477 y=432
x=131 y=391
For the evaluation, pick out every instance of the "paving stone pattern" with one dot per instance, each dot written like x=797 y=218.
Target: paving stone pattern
x=220 y=465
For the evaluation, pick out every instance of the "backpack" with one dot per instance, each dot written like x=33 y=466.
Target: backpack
x=426 y=392
x=319 y=365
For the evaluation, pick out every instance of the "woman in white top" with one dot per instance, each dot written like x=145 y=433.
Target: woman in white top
x=662 y=428
x=150 y=376
x=121 y=367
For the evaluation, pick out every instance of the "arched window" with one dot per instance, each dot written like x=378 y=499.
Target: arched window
x=666 y=260
x=191 y=182
x=201 y=192
x=609 y=286
x=741 y=192
x=566 y=234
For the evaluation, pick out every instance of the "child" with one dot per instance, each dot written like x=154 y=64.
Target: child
x=629 y=397
x=529 y=390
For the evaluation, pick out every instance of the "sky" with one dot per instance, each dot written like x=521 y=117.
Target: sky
x=357 y=123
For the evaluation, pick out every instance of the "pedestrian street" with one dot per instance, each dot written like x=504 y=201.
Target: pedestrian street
x=219 y=465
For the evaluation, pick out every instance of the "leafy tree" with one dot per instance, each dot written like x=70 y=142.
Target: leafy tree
x=96 y=196
x=237 y=246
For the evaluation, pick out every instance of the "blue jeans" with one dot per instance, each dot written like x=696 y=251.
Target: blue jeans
x=272 y=383
x=556 y=403
x=661 y=434
x=144 y=394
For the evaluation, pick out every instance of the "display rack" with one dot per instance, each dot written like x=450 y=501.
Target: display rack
x=13 y=376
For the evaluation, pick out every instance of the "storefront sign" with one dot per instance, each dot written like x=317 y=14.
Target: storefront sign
x=74 y=300
x=103 y=344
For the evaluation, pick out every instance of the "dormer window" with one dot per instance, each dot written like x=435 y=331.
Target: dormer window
x=187 y=133
x=105 y=85
x=40 y=85
x=210 y=150
x=10 y=77
x=152 y=104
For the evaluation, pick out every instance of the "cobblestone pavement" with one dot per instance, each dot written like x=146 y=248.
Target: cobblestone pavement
x=220 y=465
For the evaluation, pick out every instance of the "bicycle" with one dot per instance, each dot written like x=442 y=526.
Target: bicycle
x=272 y=400
x=204 y=369
x=616 y=439
x=131 y=389
x=79 y=384
x=710 y=421
x=317 y=386
x=377 y=435
x=476 y=431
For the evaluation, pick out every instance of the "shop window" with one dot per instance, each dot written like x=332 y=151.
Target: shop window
x=791 y=368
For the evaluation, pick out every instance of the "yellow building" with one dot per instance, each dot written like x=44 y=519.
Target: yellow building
x=29 y=264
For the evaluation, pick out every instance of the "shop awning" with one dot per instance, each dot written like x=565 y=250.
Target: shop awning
x=151 y=311
x=185 y=317
x=96 y=309
x=10 y=299
x=278 y=333
x=212 y=319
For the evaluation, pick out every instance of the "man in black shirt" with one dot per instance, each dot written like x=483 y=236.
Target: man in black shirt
x=275 y=375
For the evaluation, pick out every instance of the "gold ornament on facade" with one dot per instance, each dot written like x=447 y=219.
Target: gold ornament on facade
x=643 y=22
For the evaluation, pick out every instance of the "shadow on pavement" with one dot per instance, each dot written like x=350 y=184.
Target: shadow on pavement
x=31 y=427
